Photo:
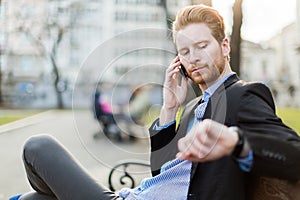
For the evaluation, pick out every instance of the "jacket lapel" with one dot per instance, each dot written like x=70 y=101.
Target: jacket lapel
x=218 y=102
x=216 y=108
x=187 y=115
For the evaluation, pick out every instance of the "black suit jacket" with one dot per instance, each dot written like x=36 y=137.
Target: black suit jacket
x=249 y=106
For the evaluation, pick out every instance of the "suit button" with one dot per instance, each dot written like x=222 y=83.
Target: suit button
x=192 y=196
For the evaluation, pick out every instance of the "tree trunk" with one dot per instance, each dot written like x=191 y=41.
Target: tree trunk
x=1 y=101
x=1 y=54
x=56 y=81
x=235 y=54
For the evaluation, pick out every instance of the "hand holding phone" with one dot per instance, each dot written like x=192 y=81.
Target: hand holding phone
x=183 y=71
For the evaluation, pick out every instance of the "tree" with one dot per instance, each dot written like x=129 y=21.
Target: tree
x=59 y=29
x=1 y=53
x=55 y=70
x=235 y=54
x=1 y=101
x=53 y=29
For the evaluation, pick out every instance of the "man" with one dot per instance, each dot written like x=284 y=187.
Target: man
x=207 y=156
x=226 y=161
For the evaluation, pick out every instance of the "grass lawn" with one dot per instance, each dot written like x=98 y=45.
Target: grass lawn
x=5 y=120
x=8 y=116
x=291 y=117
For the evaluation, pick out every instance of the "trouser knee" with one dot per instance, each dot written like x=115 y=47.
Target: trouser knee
x=36 y=196
x=37 y=145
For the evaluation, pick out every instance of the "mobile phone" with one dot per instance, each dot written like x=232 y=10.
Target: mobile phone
x=183 y=71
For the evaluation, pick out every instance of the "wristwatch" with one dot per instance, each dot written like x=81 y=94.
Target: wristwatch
x=241 y=141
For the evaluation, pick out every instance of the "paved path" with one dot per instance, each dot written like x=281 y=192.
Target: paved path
x=74 y=129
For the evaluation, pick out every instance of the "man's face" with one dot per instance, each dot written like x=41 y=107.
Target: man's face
x=203 y=57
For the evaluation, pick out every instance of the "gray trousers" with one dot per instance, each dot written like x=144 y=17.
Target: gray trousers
x=54 y=174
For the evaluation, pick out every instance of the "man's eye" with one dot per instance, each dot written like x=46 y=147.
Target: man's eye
x=202 y=46
x=184 y=53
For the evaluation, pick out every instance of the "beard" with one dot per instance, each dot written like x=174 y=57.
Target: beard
x=209 y=73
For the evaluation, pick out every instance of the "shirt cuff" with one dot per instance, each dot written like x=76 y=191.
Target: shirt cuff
x=156 y=127
x=246 y=163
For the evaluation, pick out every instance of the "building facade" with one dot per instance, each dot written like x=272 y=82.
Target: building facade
x=126 y=43
x=276 y=62
x=287 y=65
x=84 y=43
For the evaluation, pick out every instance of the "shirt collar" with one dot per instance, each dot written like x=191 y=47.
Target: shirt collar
x=211 y=90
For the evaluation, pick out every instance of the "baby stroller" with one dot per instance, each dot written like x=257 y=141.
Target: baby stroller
x=104 y=116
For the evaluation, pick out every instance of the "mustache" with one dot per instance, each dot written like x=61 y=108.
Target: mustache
x=198 y=65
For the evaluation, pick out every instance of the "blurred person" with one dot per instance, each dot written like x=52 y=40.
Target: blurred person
x=233 y=138
x=96 y=105
x=103 y=114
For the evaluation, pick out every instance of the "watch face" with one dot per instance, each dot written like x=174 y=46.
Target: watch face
x=240 y=144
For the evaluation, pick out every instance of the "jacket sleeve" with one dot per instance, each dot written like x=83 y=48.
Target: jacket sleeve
x=162 y=146
x=276 y=147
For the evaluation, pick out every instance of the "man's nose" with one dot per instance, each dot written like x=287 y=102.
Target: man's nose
x=194 y=57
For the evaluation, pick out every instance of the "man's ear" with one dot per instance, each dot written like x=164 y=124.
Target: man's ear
x=225 y=47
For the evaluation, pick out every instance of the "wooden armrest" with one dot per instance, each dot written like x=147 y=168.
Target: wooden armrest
x=276 y=189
